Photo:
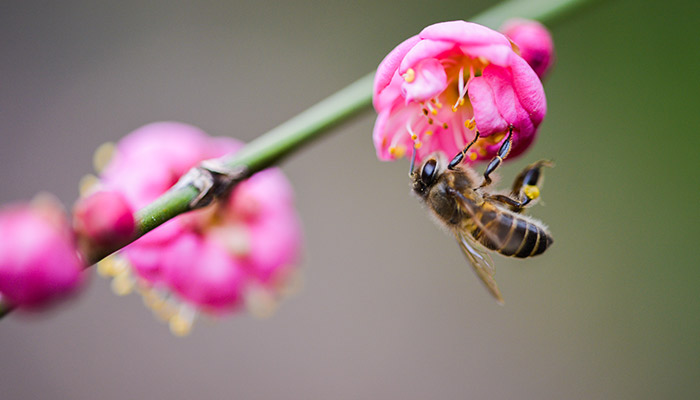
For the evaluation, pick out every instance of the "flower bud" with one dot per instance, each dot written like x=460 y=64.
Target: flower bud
x=103 y=218
x=39 y=262
x=534 y=41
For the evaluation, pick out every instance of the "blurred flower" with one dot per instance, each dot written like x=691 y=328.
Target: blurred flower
x=212 y=260
x=38 y=258
x=103 y=218
x=534 y=41
x=436 y=89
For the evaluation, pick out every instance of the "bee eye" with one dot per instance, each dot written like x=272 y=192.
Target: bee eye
x=428 y=173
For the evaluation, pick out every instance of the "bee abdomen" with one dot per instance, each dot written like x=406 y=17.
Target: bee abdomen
x=515 y=236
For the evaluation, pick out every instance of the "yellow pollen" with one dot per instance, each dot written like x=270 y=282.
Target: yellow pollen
x=497 y=138
x=88 y=184
x=414 y=136
x=429 y=133
x=472 y=155
x=103 y=155
x=122 y=284
x=434 y=111
x=482 y=151
x=179 y=326
x=444 y=126
x=397 y=151
x=410 y=75
x=470 y=124
x=532 y=192
x=430 y=121
x=418 y=145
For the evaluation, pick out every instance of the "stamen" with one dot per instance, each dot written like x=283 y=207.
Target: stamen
x=470 y=124
x=472 y=155
x=462 y=90
x=123 y=283
x=181 y=323
x=410 y=75
x=429 y=132
x=445 y=126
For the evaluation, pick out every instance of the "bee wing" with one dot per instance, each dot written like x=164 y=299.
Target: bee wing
x=481 y=262
x=470 y=208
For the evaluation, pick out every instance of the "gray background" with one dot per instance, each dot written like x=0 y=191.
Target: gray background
x=389 y=309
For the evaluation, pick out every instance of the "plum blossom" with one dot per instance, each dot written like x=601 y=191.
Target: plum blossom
x=435 y=90
x=243 y=250
x=39 y=262
x=534 y=42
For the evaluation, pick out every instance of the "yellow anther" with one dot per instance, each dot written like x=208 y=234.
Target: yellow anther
x=105 y=268
x=418 y=145
x=461 y=101
x=180 y=326
x=470 y=124
x=445 y=126
x=429 y=132
x=496 y=138
x=410 y=75
x=122 y=284
x=102 y=156
x=414 y=136
x=425 y=111
x=434 y=111
x=472 y=155
x=430 y=121
x=397 y=151
x=88 y=184
x=532 y=192
x=482 y=151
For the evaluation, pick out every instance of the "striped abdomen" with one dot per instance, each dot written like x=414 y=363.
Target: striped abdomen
x=516 y=236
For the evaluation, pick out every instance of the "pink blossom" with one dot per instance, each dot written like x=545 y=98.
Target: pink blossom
x=436 y=89
x=38 y=258
x=104 y=218
x=534 y=42
x=210 y=258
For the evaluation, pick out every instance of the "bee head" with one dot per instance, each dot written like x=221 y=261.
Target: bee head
x=426 y=175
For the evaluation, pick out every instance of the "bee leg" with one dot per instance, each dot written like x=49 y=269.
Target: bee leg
x=528 y=182
x=460 y=156
x=496 y=161
x=514 y=204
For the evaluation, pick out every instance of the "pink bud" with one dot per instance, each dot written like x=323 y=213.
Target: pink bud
x=535 y=43
x=38 y=259
x=104 y=218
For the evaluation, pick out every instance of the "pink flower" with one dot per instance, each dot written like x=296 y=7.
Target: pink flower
x=436 y=89
x=104 y=218
x=38 y=258
x=208 y=260
x=534 y=41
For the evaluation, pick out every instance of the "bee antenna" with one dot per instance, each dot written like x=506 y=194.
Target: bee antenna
x=413 y=161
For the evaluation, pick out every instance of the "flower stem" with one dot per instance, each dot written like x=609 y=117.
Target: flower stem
x=270 y=148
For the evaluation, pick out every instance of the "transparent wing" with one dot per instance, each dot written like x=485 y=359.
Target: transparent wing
x=481 y=262
x=473 y=210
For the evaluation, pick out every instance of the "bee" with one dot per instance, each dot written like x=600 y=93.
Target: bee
x=479 y=219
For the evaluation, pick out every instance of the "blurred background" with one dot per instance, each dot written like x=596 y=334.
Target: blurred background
x=390 y=308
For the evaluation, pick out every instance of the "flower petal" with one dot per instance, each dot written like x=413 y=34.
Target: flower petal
x=464 y=33
x=429 y=81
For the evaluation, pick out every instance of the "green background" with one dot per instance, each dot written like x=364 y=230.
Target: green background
x=390 y=308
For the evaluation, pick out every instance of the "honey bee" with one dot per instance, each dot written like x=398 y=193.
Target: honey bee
x=479 y=219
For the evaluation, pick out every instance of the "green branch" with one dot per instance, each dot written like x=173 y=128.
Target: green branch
x=270 y=148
